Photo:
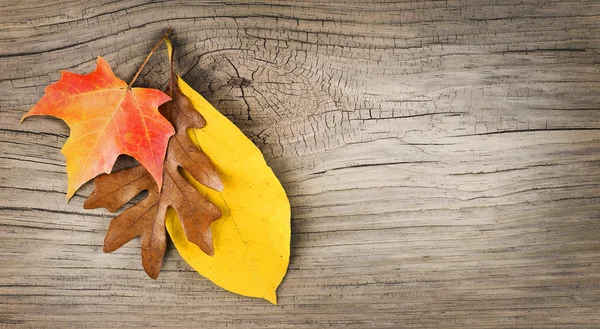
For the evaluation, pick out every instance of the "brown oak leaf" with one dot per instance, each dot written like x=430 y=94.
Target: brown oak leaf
x=147 y=217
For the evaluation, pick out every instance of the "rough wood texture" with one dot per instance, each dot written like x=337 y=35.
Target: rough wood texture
x=441 y=159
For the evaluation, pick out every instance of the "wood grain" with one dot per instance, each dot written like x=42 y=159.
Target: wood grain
x=442 y=160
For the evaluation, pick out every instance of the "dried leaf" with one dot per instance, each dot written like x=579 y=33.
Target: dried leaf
x=107 y=118
x=147 y=218
x=252 y=238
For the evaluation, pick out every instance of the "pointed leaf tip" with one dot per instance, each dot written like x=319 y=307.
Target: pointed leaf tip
x=271 y=296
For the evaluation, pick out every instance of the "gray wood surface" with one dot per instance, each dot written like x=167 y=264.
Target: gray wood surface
x=442 y=160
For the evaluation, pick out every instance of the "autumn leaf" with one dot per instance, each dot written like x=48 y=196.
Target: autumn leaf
x=252 y=238
x=147 y=218
x=107 y=118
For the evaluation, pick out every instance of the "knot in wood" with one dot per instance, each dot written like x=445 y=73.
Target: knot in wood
x=239 y=82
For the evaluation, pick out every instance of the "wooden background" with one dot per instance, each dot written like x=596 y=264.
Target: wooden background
x=442 y=160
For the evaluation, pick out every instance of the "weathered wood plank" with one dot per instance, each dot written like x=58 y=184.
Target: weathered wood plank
x=441 y=159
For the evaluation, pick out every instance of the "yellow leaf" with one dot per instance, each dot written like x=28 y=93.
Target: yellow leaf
x=252 y=238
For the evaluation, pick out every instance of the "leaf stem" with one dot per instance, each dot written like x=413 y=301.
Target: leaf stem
x=172 y=75
x=165 y=36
